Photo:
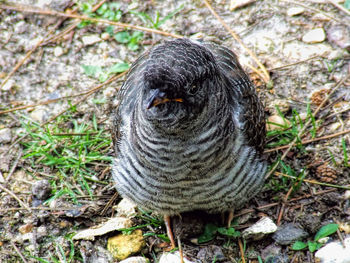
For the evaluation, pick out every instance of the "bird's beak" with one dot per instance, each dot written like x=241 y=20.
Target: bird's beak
x=159 y=97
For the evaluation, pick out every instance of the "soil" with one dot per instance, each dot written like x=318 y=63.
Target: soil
x=302 y=74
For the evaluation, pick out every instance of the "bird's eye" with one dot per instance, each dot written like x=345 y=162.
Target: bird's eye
x=193 y=89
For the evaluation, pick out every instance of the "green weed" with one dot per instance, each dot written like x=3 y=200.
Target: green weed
x=72 y=150
x=314 y=245
x=156 y=22
x=103 y=74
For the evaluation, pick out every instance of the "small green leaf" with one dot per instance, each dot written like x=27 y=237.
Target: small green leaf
x=133 y=46
x=122 y=37
x=298 y=245
x=312 y=246
x=119 y=67
x=325 y=231
x=103 y=76
x=209 y=233
x=110 y=30
x=231 y=232
x=102 y=9
x=92 y=71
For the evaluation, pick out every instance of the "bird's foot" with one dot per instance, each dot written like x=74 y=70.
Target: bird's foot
x=169 y=232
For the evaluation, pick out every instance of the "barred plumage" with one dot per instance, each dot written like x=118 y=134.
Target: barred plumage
x=189 y=131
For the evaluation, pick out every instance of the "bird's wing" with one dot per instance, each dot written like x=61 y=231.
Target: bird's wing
x=127 y=97
x=251 y=111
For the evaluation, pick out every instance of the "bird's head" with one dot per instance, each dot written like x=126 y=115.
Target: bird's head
x=177 y=79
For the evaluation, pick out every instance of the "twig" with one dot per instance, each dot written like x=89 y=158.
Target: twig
x=237 y=38
x=13 y=168
x=18 y=252
x=293 y=64
x=73 y=26
x=15 y=197
x=340 y=7
x=280 y=214
x=90 y=92
x=96 y=20
x=180 y=250
x=306 y=125
x=241 y=250
x=29 y=53
x=48 y=101
x=313 y=181
x=109 y=203
x=20 y=63
x=310 y=141
x=316 y=10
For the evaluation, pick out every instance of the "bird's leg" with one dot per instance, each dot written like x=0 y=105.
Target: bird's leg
x=229 y=218
x=169 y=232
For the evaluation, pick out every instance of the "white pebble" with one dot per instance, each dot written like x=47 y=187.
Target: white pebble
x=294 y=11
x=316 y=35
x=90 y=39
x=58 y=51
x=334 y=252
x=261 y=228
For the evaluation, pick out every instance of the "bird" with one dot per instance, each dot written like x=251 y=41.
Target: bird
x=188 y=131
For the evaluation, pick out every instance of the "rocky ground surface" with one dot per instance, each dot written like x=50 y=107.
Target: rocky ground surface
x=43 y=202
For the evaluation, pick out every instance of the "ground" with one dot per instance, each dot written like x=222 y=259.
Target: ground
x=55 y=143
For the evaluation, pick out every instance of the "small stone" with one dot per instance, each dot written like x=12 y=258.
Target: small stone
x=316 y=35
x=261 y=228
x=172 y=258
x=58 y=51
x=346 y=195
x=294 y=11
x=122 y=245
x=234 y=4
x=24 y=229
x=335 y=126
x=320 y=17
x=8 y=85
x=339 y=35
x=21 y=27
x=318 y=96
x=276 y=122
x=135 y=260
x=288 y=234
x=90 y=40
x=5 y=135
x=282 y=105
x=133 y=5
x=41 y=189
x=105 y=36
x=310 y=222
x=344 y=227
x=334 y=252
x=112 y=224
x=271 y=251
x=41 y=232
x=211 y=253
x=126 y=208
x=38 y=115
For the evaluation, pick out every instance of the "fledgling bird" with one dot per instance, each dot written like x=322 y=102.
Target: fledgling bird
x=189 y=131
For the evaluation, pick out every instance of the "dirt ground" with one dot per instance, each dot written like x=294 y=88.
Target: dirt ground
x=305 y=49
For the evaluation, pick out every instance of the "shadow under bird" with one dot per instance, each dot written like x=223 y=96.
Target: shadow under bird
x=189 y=131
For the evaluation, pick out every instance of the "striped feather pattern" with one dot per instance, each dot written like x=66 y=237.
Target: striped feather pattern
x=200 y=154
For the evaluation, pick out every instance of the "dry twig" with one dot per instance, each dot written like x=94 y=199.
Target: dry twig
x=301 y=132
x=340 y=7
x=241 y=250
x=96 y=20
x=237 y=38
x=309 y=141
x=15 y=197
